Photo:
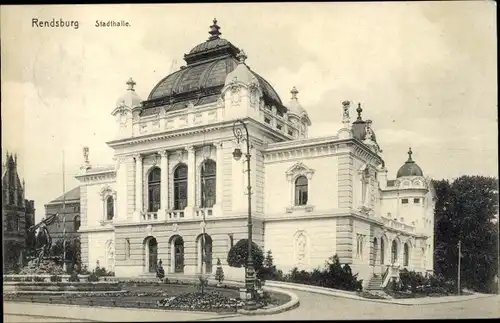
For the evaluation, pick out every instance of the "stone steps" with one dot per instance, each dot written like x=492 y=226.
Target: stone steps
x=375 y=283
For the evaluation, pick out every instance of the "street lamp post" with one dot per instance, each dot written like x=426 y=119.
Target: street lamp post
x=250 y=271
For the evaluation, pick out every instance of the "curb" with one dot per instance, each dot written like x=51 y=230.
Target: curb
x=351 y=295
x=292 y=304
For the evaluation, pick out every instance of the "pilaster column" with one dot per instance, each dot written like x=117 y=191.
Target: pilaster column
x=191 y=200
x=219 y=178
x=138 y=187
x=163 y=184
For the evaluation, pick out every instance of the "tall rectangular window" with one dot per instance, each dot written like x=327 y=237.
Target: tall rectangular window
x=127 y=248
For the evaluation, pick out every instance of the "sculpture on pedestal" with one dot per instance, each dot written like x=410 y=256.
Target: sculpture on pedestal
x=42 y=241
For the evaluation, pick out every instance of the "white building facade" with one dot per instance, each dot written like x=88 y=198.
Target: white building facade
x=175 y=180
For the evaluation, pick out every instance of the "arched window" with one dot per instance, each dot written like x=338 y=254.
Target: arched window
x=110 y=208
x=301 y=190
x=406 y=257
x=76 y=223
x=208 y=174
x=180 y=187
x=382 y=251
x=394 y=251
x=154 y=197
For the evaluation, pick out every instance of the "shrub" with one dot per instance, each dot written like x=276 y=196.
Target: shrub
x=83 y=270
x=333 y=275
x=219 y=273
x=93 y=277
x=74 y=277
x=268 y=270
x=102 y=272
x=55 y=278
x=411 y=280
x=237 y=255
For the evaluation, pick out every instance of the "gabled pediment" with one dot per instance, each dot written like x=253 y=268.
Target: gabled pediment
x=299 y=168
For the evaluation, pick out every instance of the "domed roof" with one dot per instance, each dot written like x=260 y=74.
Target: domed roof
x=209 y=44
x=410 y=168
x=202 y=80
x=130 y=97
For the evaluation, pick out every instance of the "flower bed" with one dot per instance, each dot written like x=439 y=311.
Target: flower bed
x=208 y=302
x=166 y=296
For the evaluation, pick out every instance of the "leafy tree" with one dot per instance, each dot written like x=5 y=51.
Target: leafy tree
x=237 y=255
x=465 y=211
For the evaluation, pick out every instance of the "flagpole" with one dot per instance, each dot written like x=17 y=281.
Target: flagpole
x=459 y=258
x=64 y=214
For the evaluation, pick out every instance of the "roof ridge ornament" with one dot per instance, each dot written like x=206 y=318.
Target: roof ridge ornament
x=359 y=110
x=214 y=31
x=409 y=155
x=294 y=93
x=131 y=83
x=242 y=57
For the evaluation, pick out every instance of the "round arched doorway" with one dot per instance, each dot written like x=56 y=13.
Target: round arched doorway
x=204 y=253
x=177 y=254
x=151 y=254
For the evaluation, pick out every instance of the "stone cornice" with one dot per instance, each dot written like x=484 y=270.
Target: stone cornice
x=361 y=151
x=95 y=229
x=320 y=146
x=198 y=129
x=305 y=151
x=69 y=201
x=103 y=176
x=300 y=143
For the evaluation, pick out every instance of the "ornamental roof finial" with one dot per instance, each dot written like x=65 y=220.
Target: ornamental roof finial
x=214 y=30
x=131 y=84
x=359 y=110
x=294 y=92
x=409 y=154
x=242 y=56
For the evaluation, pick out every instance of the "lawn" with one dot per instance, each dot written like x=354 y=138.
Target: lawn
x=154 y=295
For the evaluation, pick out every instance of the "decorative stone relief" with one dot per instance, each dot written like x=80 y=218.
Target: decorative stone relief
x=106 y=191
x=235 y=91
x=220 y=102
x=169 y=124
x=175 y=227
x=301 y=248
x=253 y=88
x=149 y=230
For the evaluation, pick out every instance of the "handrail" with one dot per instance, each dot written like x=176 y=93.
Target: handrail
x=385 y=274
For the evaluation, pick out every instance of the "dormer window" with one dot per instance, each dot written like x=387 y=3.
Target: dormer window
x=404 y=201
x=416 y=201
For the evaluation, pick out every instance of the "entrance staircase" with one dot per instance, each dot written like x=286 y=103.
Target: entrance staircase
x=375 y=283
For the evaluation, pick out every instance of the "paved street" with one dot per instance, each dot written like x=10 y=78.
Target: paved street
x=313 y=306
x=322 y=307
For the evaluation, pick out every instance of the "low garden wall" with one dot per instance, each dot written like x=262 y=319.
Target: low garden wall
x=60 y=286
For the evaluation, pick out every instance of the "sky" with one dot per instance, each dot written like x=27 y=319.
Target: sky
x=424 y=72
